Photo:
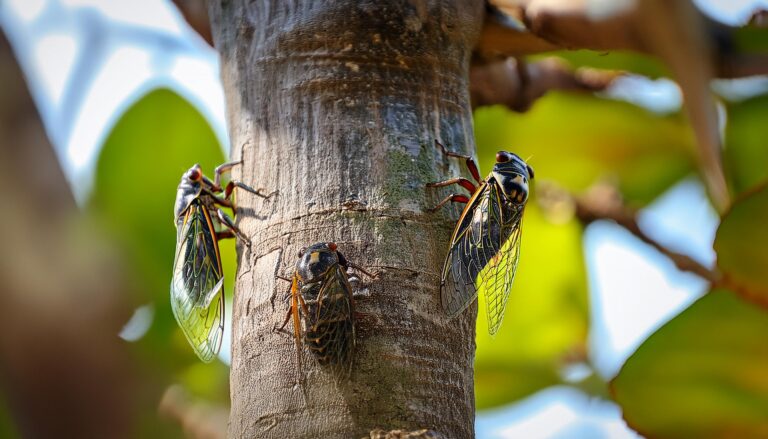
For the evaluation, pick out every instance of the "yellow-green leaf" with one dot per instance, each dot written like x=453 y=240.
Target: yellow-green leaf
x=745 y=157
x=702 y=375
x=546 y=315
x=741 y=244
x=637 y=63
x=156 y=140
x=578 y=139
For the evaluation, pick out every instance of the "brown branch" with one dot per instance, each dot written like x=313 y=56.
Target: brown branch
x=603 y=202
x=566 y=25
x=199 y=420
x=517 y=84
x=675 y=32
x=196 y=14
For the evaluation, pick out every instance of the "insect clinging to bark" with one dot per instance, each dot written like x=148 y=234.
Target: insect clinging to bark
x=197 y=286
x=321 y=293
x=485 y=246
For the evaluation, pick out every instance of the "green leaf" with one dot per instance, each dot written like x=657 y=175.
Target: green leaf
x=750 y=39
x=702 y=375
x=546 y=316
x=741 y=244
x=637 y=63
x=745 y=155
x=578 y=139
x=156 y=140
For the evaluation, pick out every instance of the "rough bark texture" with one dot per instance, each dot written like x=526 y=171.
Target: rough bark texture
x=336 y=105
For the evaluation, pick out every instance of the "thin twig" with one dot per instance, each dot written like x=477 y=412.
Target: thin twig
x=604 y=203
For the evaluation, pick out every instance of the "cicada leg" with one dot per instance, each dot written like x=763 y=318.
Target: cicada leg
x=225 y=234
x=469 y=160
x=453 y=198
x=221 y=169
x=466 y=184
x=215 y=185
x=233 y=184
x=227 y=222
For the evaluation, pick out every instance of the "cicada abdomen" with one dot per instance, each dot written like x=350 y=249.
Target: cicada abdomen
x=485 y=246
x=330 y=326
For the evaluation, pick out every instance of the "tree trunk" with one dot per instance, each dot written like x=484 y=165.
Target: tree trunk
x=337 y=104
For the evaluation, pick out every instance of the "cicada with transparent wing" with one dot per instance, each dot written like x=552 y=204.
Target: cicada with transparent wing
x=485 y=246
x=197 y=287
x=322 y=294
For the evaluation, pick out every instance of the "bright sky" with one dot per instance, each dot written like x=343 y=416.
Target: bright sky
x=633 y=289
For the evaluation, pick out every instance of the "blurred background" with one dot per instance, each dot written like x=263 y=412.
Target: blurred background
x=130 y=97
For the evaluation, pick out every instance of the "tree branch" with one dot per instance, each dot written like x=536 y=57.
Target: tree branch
x=517 y=84
x=196 y=14
x=604 y=203
x=564 y=25
x=199 y=420
x=675 y=32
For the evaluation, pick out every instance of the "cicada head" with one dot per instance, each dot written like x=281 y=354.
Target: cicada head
x=512 y=174
x=316 y=260
x=189 y=188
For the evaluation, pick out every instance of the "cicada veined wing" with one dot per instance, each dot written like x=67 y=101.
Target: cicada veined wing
x=197 y=287
x=330 y=325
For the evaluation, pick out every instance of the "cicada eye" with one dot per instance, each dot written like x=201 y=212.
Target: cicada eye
x=332 y=246
x=530 y=172
x=502 y=157
x=195 y=174
x=302 y=251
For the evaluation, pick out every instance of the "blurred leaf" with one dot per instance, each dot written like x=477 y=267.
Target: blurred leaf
x=703 y=374
x=577 y=139
x=741 y=243
x=750 y=39
x=154 y=142
x=745 y=154
x=7 y=423
x=546 y=316
x=637 y=63
x=200 y=379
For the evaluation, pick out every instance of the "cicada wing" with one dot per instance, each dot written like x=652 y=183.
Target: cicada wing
x=197 y=287
x=495 y=280
x=471 y=247
x=330 y=334
x=458 y=286
x=483 y=256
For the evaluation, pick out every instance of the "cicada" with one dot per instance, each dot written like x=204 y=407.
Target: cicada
x=322 y=294
x=197 y=297
x=485 y=246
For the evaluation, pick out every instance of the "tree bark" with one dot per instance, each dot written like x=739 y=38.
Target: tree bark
x=337 y=104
